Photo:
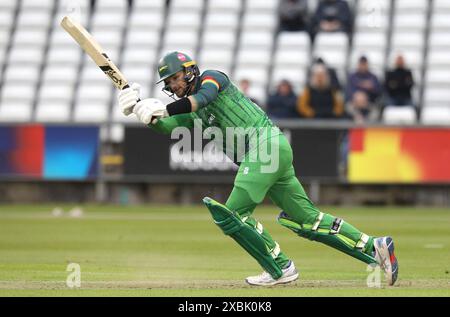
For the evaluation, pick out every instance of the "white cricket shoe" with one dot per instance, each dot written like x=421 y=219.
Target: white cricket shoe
x=290 y=274
x=384 y=254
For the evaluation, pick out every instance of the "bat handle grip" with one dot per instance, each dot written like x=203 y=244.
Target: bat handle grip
x=128 y=86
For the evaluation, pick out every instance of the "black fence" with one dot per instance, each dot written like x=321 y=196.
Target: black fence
x=317 y=154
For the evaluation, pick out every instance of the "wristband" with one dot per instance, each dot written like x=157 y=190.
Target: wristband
x=180 y=106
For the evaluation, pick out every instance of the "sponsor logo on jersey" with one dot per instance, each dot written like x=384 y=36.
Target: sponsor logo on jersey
x=211 y=119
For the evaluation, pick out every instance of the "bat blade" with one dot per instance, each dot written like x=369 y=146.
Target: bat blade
x=87 y=42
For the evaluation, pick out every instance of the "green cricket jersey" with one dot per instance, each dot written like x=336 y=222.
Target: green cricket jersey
x=222 y=105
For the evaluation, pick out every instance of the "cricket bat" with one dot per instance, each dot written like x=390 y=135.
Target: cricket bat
x=94 y=50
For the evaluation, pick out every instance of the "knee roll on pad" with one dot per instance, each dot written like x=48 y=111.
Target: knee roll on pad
x=326 y=229
x=246 y=235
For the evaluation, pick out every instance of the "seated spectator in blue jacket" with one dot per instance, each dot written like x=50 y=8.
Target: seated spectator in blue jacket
x=319 y=99
x=365 y=81
x=281 y=104
x=332 y=16
x=398 y=84
x=293 y=15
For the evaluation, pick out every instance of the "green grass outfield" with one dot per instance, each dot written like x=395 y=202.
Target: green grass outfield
x=178 y=251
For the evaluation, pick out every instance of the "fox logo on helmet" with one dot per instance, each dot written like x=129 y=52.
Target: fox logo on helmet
x=181 y=57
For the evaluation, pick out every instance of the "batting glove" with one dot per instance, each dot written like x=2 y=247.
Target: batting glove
x=150 y=110
x=128 y=98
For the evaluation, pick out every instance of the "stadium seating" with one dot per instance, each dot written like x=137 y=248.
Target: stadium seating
x=224 y=6
x=46 y=77
x=436 y=115
x=399 y=115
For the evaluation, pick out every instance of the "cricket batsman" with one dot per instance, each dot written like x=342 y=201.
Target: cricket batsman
x=213 y=100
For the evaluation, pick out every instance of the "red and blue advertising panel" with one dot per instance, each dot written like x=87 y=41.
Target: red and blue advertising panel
x=49 y=152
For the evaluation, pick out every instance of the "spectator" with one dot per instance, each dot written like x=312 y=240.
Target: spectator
x=363 y=80
x=398 y=84
x=244 y=86
x=319 y=99
x=281 y=104
x=335 y=84
x=361 y=109
x=293 y=15
x=332 y=16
